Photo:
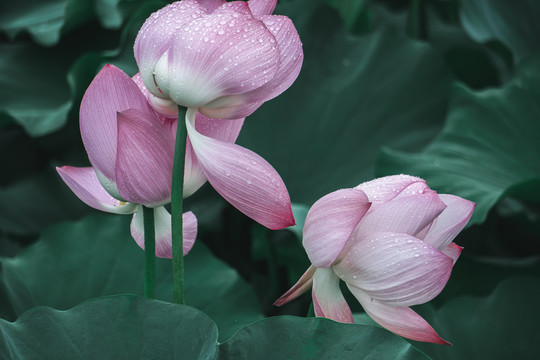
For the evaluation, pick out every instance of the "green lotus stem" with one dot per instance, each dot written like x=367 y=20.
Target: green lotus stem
x=177 y=196
x=150 y=252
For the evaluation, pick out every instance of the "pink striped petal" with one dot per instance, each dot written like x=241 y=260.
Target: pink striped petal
x=386 y=188
x=329 y=224
x=451 y=221
x=156 y=35
x=110 y=92
x=232 y=106
x=243 y=178
x=224 y=130
x=403 y=214
x=144 y=159
x=400 y=320
x=453 y=251
x=262 y=7
x=162 y=221
x=328 y=301
x=215 y=60
x=85 y=184
x=302 y=285
x=396 y=269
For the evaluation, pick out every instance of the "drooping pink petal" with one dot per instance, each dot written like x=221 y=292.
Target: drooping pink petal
x=220 y=56
x=403 y=214
x=329 y=224
x=291 y=57
x=243 y=178
x=220 y=129
x=156 y=34
x=224 y=130
x=162 y=221
x=386 y=188
x=110 y=92
x=232 y=106
x=451 y=221
x=453 y=251
x=262 y=7
x=144 y=158
x=85 y=184
x=301 y=286
x=328 y=301
x=400 y=320
x=396 y=269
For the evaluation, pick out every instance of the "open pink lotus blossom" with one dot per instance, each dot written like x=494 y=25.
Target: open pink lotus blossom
x=130 y=150
x=224 y=58
x=390 y=241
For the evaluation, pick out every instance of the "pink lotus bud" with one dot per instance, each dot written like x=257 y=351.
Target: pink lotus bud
x=224 y=58
x=390 y=241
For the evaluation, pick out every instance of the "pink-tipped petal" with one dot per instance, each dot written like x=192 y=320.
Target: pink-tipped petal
x=262 y=7
x=451 y=221
x=403 y=214
x=144 y=159
x=291 y=58
x=397 y=269
x=110 y=92
x=330 y=222
x=328 y=301
x=85 y=184
x=400 y=320
x=162 y=221
x=156 y=34
x=301 y=286
x=243 y=178
x=386 y=188
x=217 y=59
x=453 y=251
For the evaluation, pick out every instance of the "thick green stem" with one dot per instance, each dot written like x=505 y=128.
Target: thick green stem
x=150 y=252
x=177 y=197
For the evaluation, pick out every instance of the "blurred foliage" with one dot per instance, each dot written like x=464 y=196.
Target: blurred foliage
x=444 y=89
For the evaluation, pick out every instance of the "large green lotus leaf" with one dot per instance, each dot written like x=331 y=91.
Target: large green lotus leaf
x=353 y=95
x=96 y=256
x=488 y=148
x=288 y=337
x=500 y=325
x=36 y=99
x=32 y=204
x=129 y=327
x=514 y=23
x=45 y=20
x=116 y=327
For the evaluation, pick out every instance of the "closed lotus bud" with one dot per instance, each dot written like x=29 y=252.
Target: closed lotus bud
x=224 y=58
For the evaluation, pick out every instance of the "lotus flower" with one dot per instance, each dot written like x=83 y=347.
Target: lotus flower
x=390 y=241
x=224 y=58
x=130 y=150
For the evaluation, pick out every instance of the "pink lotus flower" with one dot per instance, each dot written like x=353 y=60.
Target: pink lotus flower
x=224 y=58
x=130 y=150
x=131 y=147
x=390 y=241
